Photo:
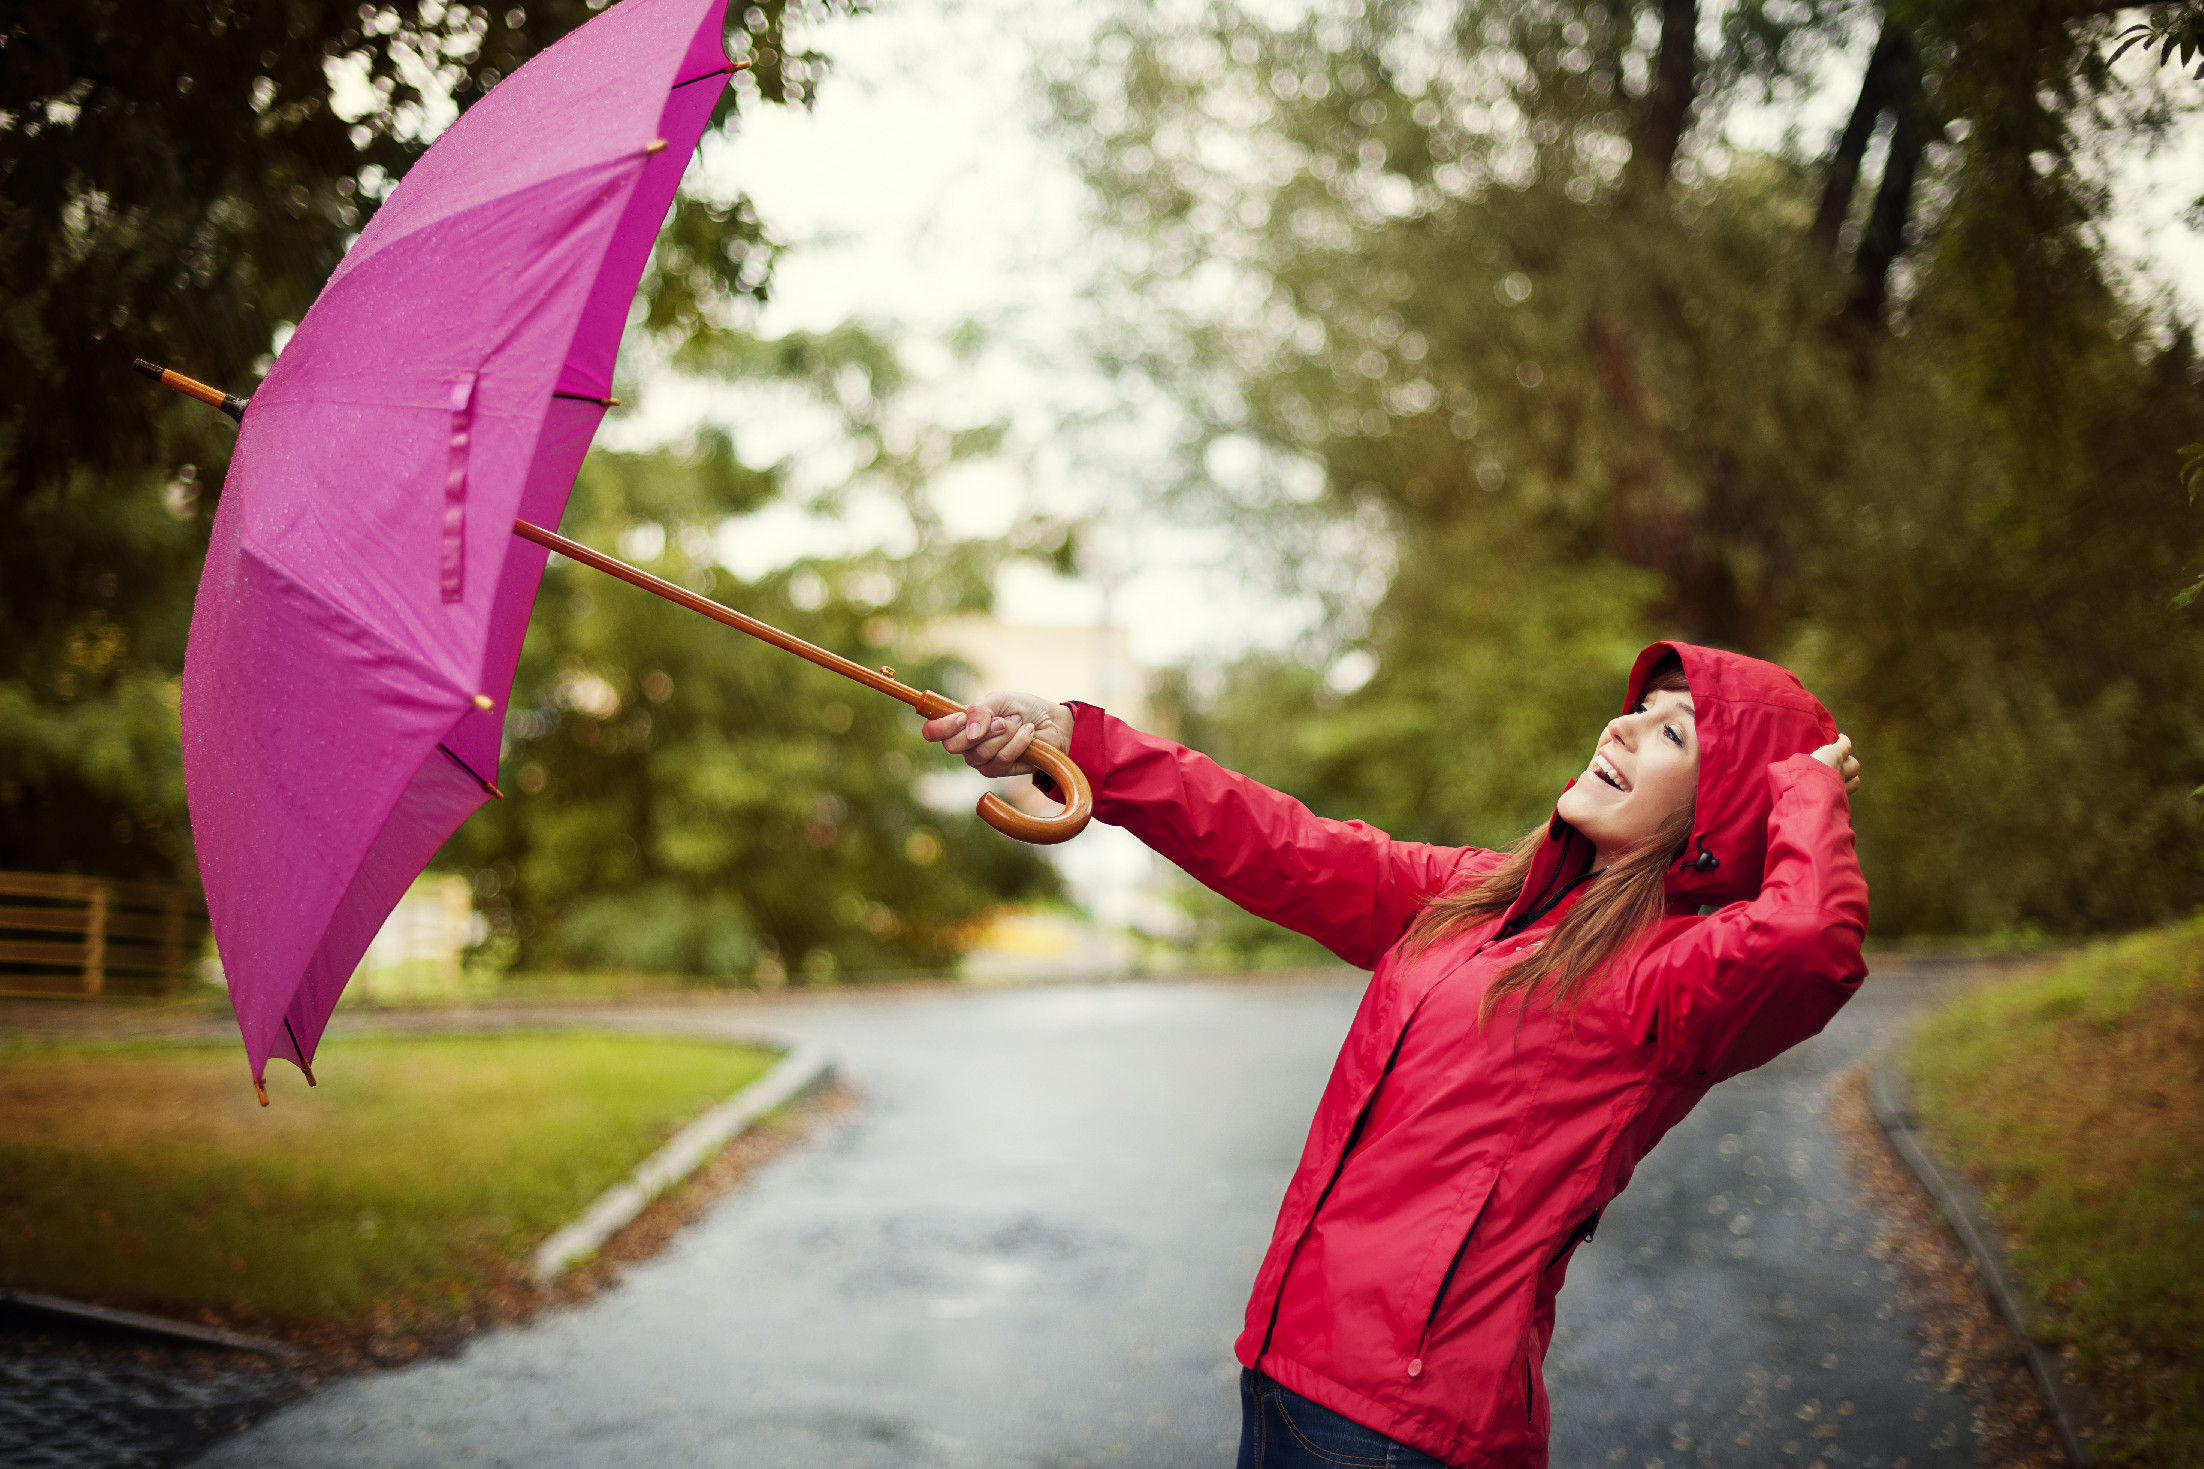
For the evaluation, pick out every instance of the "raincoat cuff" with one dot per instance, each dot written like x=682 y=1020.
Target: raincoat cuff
x=1086 y=747
x=1794 y=770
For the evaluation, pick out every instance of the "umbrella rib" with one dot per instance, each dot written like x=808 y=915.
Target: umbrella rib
x=354 y=261
x=471 y=771
x=354 y=626
x=732 y=66
x=299 y=1051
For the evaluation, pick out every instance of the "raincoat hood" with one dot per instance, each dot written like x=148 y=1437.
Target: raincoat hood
x=1751 y=714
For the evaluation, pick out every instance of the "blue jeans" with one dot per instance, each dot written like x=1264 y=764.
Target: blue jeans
x=1283 y=1430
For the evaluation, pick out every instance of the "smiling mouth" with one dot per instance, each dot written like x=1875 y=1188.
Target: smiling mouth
x=1608 y=773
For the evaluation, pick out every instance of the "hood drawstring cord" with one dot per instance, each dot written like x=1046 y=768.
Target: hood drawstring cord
x=1706 y=861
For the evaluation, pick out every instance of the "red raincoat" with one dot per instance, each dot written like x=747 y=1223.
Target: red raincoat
x=1453 y=1168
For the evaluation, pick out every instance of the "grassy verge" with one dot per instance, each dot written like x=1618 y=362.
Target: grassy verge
x=2076 y=1098
x=413 y=1182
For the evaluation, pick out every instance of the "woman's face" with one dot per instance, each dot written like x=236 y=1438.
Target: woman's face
x=1646 y=766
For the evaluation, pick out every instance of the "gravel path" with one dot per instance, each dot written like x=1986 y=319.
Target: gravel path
x=1031 y=1246
x=72 y=1401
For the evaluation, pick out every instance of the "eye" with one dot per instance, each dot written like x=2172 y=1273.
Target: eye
x=1670 y=731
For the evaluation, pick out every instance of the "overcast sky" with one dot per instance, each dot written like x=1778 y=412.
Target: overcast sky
x=922 y=193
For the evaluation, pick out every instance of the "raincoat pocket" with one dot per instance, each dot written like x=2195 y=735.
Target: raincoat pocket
x=1536 y=1412
x=1428 y=1321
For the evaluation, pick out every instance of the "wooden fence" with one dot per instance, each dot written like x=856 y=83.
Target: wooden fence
x=84 y=937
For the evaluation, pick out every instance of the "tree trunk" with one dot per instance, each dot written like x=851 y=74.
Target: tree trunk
x=1886 y=66
x=1886 y=224
x=1675 y=87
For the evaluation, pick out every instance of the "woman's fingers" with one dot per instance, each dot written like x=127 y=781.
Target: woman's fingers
x=963 y=730
x=1838 y=756
x=998 y=754
x=1013 y=752
x=994 y=733
x=1000 y=730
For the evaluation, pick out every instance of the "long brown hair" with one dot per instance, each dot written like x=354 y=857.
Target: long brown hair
x=1618 y=907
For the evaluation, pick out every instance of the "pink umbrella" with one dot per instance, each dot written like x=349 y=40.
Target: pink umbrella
x=363 y=601
x=364 y=598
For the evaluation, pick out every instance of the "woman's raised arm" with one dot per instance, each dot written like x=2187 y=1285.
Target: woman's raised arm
x=1345 y=884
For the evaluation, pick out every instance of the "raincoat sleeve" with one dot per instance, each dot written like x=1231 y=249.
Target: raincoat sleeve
x=1746 y=983
x=1347 y=885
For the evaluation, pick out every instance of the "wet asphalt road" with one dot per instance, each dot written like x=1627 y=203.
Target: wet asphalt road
x=1031 y=1246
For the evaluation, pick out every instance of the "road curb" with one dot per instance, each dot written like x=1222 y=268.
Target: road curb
x=139 y=1321
x=797 y=1072
x=2072 y=1405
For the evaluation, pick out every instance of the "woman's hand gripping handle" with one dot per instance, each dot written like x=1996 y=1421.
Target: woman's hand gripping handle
x=1015 y=734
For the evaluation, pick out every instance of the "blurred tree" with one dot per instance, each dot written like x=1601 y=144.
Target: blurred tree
x=175 y=183
x=1488 y=335
x=683 y=798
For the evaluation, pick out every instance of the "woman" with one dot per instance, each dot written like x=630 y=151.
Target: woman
x=1538 y=1019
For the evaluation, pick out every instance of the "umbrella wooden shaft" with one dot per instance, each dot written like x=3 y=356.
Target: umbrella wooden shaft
x=191 y=387
x=929 y=704
x=1071 y=781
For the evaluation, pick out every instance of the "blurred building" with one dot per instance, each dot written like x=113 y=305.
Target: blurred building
x=1094 y=664
x=1121 y=886
x=416 y=955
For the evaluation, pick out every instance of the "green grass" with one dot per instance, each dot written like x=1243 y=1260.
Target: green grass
x=2075 y=1096
x=408 y=1184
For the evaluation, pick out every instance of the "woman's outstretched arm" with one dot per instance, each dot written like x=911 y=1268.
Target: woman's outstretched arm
x=1345 y=884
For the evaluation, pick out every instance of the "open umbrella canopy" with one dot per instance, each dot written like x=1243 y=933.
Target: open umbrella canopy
x=364 y=598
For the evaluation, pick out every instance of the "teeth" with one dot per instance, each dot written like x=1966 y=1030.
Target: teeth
x=1605 y=770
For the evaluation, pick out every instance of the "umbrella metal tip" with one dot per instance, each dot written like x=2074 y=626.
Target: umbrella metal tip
x=484 y=702
x=658 y=146
x=260 y=1090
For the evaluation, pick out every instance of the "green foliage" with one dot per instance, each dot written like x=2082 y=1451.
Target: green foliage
x=1998 y=643
x=1227 y=937
x=1456 y=359
x=2170 y=28
x=179 y=182
x=1468 y=728
x=2192 y=479
x=2075 y=1096
x=681 y=797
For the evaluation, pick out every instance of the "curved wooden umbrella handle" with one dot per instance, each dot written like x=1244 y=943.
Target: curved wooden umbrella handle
x=1044 y=831
x=1072 y=788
